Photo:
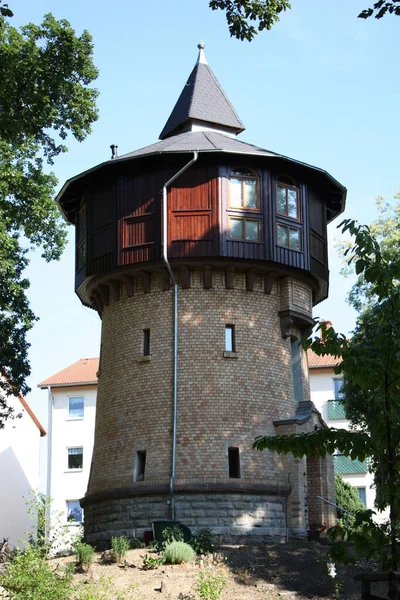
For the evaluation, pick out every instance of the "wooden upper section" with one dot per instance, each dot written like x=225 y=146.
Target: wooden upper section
x=117 y=211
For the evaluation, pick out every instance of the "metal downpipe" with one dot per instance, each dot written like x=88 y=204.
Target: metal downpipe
x=170 y=271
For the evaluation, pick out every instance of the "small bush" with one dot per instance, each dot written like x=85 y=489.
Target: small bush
x=84 y=554
x=152 y=562
x=178 y=552
x=205 y=542
x=210 y=586
x=29 y=577
x=120 y=546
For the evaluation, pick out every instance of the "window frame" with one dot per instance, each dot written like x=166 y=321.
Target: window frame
x=243 y=178
x=146 y=342
x=287 y=187
x=73 y=417
x=244 y=218
x=288 y=227
x=140 y=465
x=74 y=521
x=74 y=469
x=230 y=327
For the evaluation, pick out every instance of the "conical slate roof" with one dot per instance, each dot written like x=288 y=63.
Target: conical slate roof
x=202 y=101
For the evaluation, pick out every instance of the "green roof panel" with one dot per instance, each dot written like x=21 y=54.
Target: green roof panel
x=343 y=465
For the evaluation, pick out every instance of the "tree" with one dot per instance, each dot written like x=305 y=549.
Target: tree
x=371 y=370
x=347 y=498
x=386 y=229
x=45 y=94
x=240 y=14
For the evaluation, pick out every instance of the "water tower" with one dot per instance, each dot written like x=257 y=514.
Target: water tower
x=203 y=256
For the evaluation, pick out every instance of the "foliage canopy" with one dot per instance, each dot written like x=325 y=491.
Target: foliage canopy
x=46 y=71
x=243 y=16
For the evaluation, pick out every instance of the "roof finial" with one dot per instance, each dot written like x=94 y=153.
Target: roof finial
x=201 y=59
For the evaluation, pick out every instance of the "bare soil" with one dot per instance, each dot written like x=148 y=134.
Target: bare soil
x=294 y=570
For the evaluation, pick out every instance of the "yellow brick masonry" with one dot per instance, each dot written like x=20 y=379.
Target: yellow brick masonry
x=222 y=401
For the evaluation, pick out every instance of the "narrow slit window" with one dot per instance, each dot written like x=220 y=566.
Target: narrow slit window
x=234 y=463
x=140 y=465
x=230 y=338
x=146 y=342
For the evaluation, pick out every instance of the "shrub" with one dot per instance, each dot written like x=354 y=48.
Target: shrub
x=178 y=552
x=210 y=586
x=347 y=497
x=152 y=562
x=172 y=534
x=84 y=554
x=120 y=546
x=29 y=577
x=205 y=542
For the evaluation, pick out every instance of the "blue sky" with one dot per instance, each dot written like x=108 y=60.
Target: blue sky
x=322 y=87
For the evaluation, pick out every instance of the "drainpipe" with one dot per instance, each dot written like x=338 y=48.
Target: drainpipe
x=49 y=454
x=170 y=271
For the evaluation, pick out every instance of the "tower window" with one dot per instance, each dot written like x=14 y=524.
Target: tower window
x=140 y=465
x=289 y=237
x=241 y=228
x=234 y=463
x=146 y=342
x=243 y=191
x=297 y=371
x=287 y=199
x=230 y=342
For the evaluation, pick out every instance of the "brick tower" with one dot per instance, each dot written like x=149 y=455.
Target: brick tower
x=203 y=255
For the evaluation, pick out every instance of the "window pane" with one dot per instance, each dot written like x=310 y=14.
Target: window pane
x=242 y=173
x=76 y=407
x=282 y=235
x=281 y=200
x=229 y=343
x=250 y=194
x=294 y=241
x=362 y=495
x=292 y=204
x=75 y=458
x=74 y=511
x=338 y=383
x=236 y=193
x=252 y=230
x=236 y=229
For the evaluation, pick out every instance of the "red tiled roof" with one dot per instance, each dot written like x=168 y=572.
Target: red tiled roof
x=320 y=362
x=82 y=372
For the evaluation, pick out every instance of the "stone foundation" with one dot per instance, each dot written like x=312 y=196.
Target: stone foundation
x=234 y=517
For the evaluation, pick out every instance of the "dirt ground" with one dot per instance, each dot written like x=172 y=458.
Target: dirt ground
x=294 y=570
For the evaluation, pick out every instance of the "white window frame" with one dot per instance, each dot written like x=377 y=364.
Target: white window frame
x=71 y=417
x=74 y=523
x=72 y=469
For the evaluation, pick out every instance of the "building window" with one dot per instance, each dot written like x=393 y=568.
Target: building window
x=242 y=228
x=140 y=465
x=362 y=495
x=230 y=342
x=287 y=199
x=289 y=237
x=243 y=192
x=234 y=463
x=338 y=384
x=76 y=407
x=146 y=342
x=75 y=458
x=74 y=511
x=287 y=211
x=81 y=236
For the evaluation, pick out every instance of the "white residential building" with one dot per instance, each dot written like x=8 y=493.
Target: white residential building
x=325 y=387
x=72 y=410
x=19 y=469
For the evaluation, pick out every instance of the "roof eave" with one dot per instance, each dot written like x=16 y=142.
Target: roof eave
x=44 y=386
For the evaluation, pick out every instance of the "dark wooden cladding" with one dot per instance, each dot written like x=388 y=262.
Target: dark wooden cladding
x=124 y=224
x=193 y=224
x=139 y=215
x=289 y=257
x=102 y=237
